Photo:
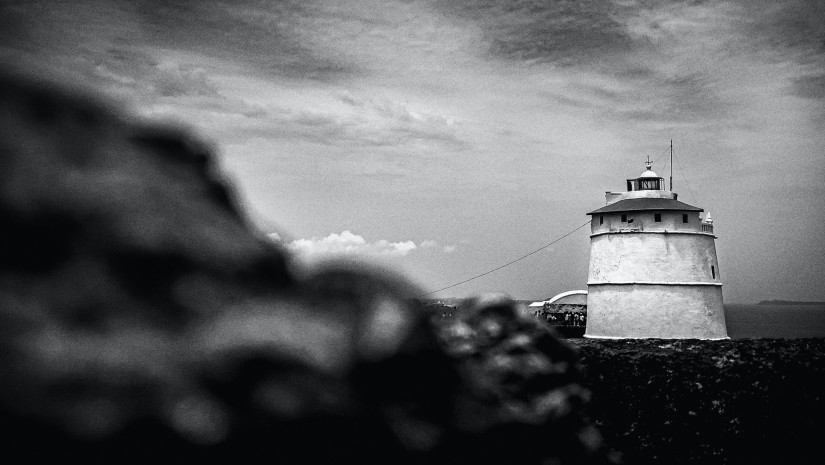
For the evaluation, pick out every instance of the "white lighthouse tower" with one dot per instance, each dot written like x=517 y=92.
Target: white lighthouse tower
x=653 y=268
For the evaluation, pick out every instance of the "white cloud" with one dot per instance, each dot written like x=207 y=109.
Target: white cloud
x=348 y=243
x=431 y=244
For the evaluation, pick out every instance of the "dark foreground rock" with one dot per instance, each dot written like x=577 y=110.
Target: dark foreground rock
x=143 y=320
x=523 y=394
x=748 y=401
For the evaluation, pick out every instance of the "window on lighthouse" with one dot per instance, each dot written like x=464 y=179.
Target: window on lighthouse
x=624 y=218
x=649 y=184
x=657 y=217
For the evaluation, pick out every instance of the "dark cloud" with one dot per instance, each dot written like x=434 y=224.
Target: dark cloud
x=371 y=129
x=795 y=24
x=651 y=96
x=566 y=32
x=811 y=87
x=690 y=97
x=266 y=35
x=142 y=73
x=15 y=27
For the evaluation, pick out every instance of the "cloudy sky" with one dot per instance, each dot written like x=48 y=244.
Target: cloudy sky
x=446 y=138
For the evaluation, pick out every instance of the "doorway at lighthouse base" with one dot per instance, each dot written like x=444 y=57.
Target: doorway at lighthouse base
x=670 y=311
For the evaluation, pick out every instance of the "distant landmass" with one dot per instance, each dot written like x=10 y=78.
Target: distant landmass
x=788 y=302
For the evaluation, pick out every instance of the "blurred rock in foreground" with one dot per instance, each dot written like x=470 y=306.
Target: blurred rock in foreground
x=142 y=319
x=522 y=396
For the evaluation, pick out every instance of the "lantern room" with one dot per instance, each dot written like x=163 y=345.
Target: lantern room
x=648 y=181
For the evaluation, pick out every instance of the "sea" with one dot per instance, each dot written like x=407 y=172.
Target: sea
x=775 y=321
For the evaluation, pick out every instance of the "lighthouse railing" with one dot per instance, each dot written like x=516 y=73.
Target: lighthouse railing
x=707 y=228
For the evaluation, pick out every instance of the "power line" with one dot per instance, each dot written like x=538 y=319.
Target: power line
x=679 y=165
x=667 y=150
x=508 y=263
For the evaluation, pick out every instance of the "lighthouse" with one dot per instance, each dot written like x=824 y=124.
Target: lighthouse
x=653 y=269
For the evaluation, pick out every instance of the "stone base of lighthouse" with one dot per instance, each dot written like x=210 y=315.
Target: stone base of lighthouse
x=669 y=311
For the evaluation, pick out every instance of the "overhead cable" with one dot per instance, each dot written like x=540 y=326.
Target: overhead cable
x=508 y=263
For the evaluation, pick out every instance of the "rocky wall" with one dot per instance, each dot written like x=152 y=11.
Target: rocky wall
x=746 y=401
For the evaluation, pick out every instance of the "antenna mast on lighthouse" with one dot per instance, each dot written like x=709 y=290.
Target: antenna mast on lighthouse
x=671 y=165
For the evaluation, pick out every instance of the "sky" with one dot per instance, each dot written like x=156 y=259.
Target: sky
x=443 y=139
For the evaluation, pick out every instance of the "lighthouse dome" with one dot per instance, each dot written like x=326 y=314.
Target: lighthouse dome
x=648 y=172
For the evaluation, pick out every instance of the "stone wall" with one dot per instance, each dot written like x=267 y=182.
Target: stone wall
x=749 y=401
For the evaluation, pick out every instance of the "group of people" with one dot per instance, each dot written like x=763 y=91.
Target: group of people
x=563 y=318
